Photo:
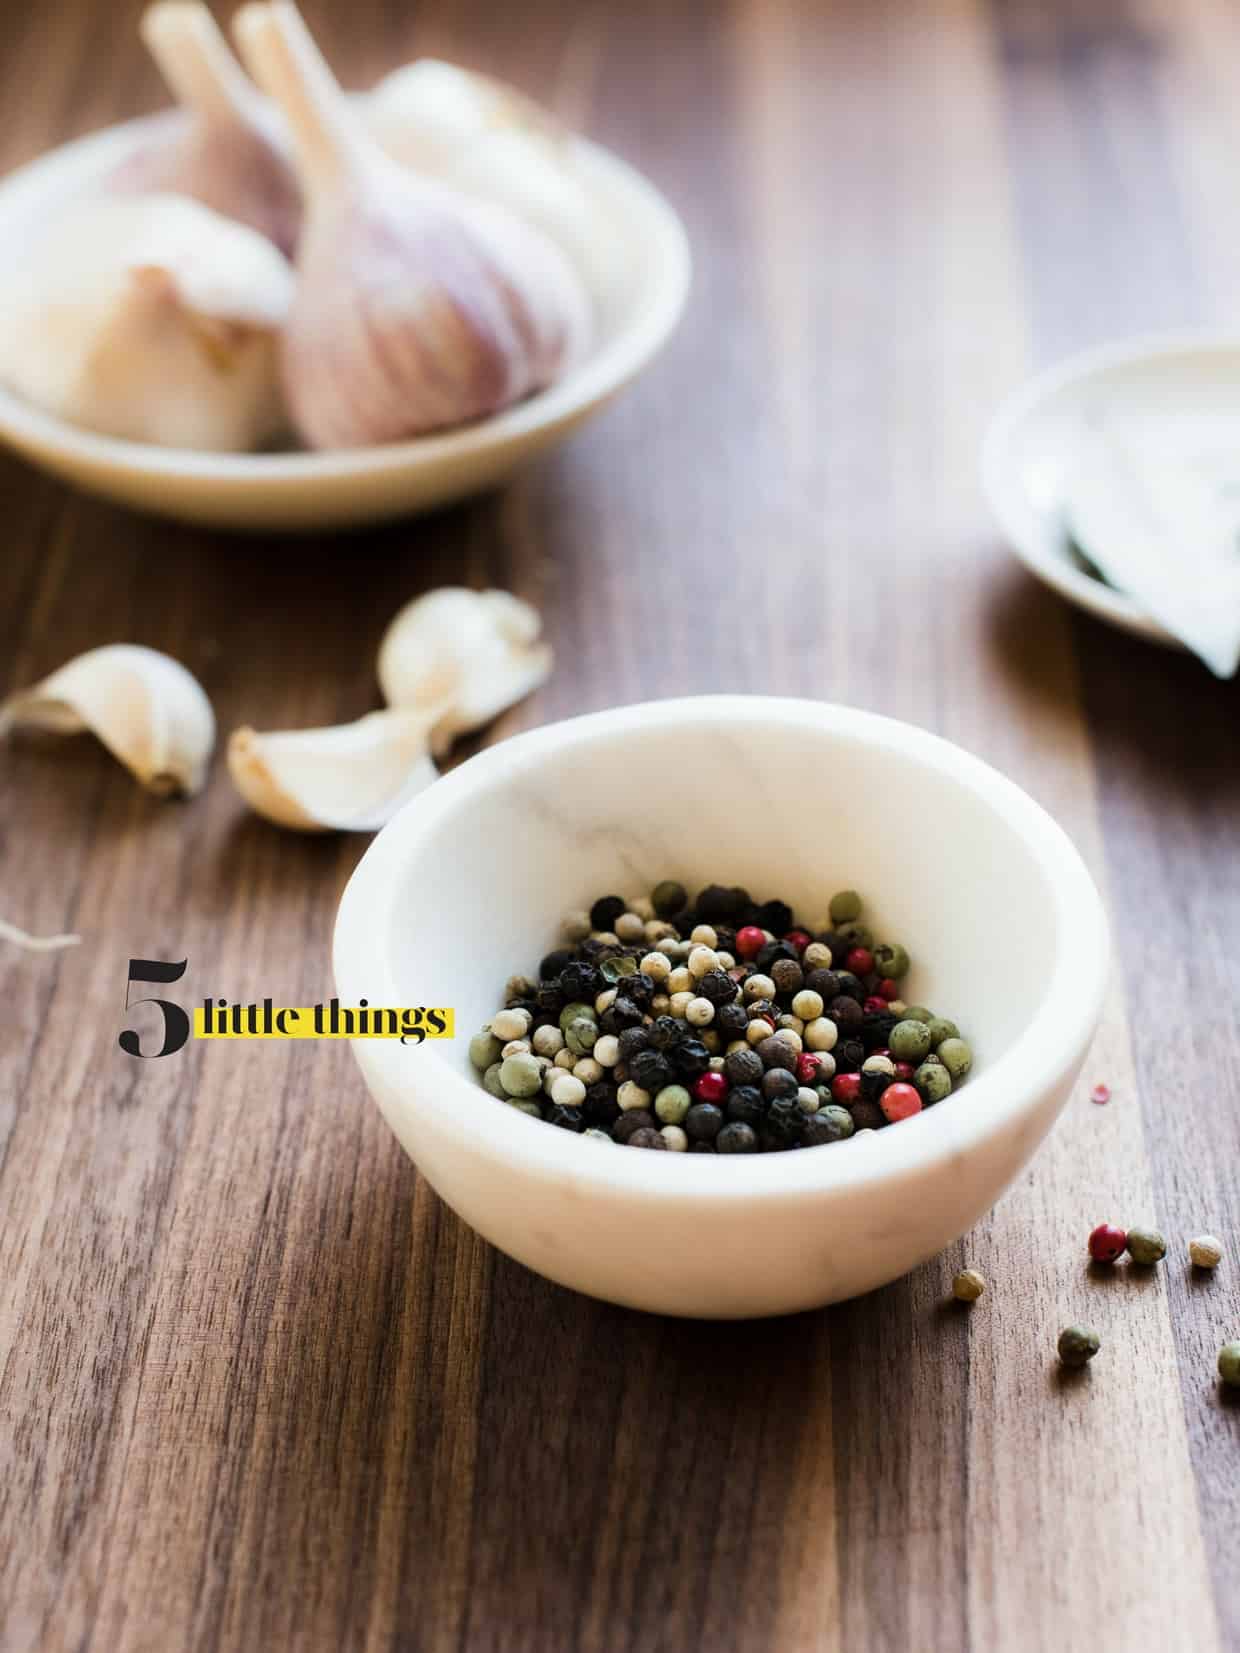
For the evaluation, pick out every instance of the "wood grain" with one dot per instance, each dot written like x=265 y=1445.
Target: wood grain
x=258 y=1389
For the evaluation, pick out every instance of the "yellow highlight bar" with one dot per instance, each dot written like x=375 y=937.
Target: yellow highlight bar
x=411 y=1024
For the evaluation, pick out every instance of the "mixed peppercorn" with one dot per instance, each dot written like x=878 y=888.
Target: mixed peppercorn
x=718 y=1026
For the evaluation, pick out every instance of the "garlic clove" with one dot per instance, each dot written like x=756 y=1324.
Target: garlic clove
x=489 y=140
x=418 y=307
x=145 y=707
x=475 y=650
x=232 y=154
x=351 y=777
x=153 y=319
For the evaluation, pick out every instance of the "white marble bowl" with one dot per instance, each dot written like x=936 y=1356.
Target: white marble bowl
x=790 y=798
x=289 y=491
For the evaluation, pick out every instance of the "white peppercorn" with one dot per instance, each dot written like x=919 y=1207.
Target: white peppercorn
x=660 y=1005
x=704 y=935
x=657 y=966
x=515 y=1047
x=702 y=960
x=629 y=928
x=817 y=956
x=807 y=1100
x=568 y=1091
x=566 y=1059
x=675 y=1138
x=879 y=1064
x=679 y=980
x=700 y=1012
x=807 y=1004
x=1205 y=1251
x=758 y=986
x=631 y=1096
x=607 y=1050
x=643 y=906
x=794 y=1024
x=576 y=926
x=658 y=929
x=758 y=1030
x=821 y=1033
x=588 y=1070
x=548 y=1041
x=680 y=1003
x=605 y=1000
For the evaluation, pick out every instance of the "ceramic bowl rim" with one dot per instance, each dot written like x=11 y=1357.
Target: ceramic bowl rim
x=1008 y=501
x=1043 y=1056
x=665 y=269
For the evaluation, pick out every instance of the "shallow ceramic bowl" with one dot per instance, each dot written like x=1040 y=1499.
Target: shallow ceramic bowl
x=1036 y=434
x=466 y=885
x=331 y=490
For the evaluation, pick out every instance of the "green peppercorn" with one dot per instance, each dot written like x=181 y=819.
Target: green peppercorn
x=891 y=960
x=530 y=1108
x=942 y=1028
x=916 y=1013
x=672 y=1104
x=968 y=1286
x=1146 y=1246
x=521 y=1075
x=669 y=898
x=933 y=1082
x=492 y=1082
x=1078 y=1345
x=1229 y=1365
x=909 y=1041
x=484 y=1048
x=571 y=1013
x=829 y=1124
x=956 y=1057
x=844 y=905
x=856 y=934
x=581 y=1035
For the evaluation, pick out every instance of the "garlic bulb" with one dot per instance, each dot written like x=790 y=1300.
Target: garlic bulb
x=146 y=708
x=476 y=652
x=418 y=308
x=491 y=141
x=232 y=153
x=149 y=318
x=350 y=777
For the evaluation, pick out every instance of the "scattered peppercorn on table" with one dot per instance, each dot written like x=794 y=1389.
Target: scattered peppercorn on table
x=258 y=1388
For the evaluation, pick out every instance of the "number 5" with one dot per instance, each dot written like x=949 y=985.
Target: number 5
x=176 y=1022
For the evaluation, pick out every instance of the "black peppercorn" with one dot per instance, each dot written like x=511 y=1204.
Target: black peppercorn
x=761 y=1010
x=826 y=983
x=876 y=1026
x=626 y=1013
x=849 y=1055
x=606 y=910
x=665 y=1031
x=737 y=1138
x=718 y=987
x=594 y=950
x=772 y=952
x=639 y=988
x=716 y=902
x=731 y=1021
x=787 y=976
x=650 y=1069
x=703 y=1122
x=867 y=1116
x=636 y=1119
x=833 y=940
x=551 y=966
x=778 y=1082
x=568 y=1119
x=600 y=1106
x=847 y=1014
x=550 y=999
x=852 y=987
x=647 y=1137
x=580 y=981
x=829 y=1124
x=745 y=1103
x=784 y=1124
x=689 y=1058
x=775 y=916
x=632 y=1041
x=743 y=1067
x=725 y=938
x=607 y=1022
x=777 y=1053
x=873 y=1085
x=701 y=1147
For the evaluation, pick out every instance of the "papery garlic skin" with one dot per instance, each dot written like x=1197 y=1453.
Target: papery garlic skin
x=418 y=308
x=151 y=319
x=489 y=140
x=475 y=650
x=231 y=152
x=146 y=708
x=349 y=777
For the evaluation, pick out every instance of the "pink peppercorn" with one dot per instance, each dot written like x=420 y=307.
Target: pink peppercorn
x=846 y=1089
x=874 y=1002
x=888 y=989
x=800 y=939
x=807 y=1068
x=860 y=961
x=900 y=1101
x=1107 y=1242
x=710 y=1087
x=905 y=1071
x=749 y=941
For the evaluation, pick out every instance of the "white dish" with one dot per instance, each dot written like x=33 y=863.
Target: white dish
x=1032 y=441
x=330 y=490
x=466 y=885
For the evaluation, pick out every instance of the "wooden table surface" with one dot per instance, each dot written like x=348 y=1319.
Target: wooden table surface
x=258 y=1388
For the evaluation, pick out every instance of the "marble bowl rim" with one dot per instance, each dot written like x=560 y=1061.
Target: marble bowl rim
x=1045 y=1056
